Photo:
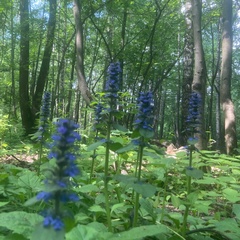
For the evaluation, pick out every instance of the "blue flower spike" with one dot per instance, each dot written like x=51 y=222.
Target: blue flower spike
x=193 y=119
x=44 y=114
x=60 y=180
x=113 y=85
x=144 y=118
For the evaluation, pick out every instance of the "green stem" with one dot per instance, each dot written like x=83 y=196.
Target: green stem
x=164 y=197
x=108 y=211
x=93 y=161
x=139 y=161
x=40 y=154
x=189 y=181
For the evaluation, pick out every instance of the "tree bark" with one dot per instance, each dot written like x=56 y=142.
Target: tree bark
x=199 y=74
x=187 y=70
x=44 y=70
x=225 y=78
x=13 y=92
x=25 y=105
x=82 y=84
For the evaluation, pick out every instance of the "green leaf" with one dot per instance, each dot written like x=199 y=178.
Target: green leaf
x=95 y=145
x=81 y=217
x=145 y=189
x=31 y=201
x=88 y=188
x=203 y=206
x=3 y=203
x=127 y=179
x=139 y=233
x=43 y=233
x=135 y=134
x=97 y=208
x=229 y=227
x=116 y=206
x=81 y=232
x=231 y=195
x=20 y=222
x=3 y=176
x=192 y=197
x=176 y=201
x=159 y=173
x=129 y=147
x=114 y=146
x=146 y=133
x=99 y=227
x=13 y=236
x=194 y=173
x=147 y=206
x=30 y=180
x=120 y=127
x=236 y=210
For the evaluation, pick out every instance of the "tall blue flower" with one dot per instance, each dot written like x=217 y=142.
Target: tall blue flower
x=113 y=84
x=144 y=118
x=98 y=114
x=44 y=114
x=193 y=118
x=58 y=183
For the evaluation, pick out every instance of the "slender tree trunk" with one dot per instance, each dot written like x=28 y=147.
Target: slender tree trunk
x=13 y=92
x=199 y=75
x=187 y=70
x=225 y=78
x=25 y=105
x=44 y=70
x=162 y=111
x=35 y=64
x=219 y=142
x=123 y=42
x=70 y=91
x=82 y=84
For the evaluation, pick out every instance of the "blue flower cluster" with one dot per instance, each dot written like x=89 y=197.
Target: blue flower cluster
x=58 y=183
x=113 y=84
x=144 y=118
x=193 y=118
x=98 y=110
x=44 y=114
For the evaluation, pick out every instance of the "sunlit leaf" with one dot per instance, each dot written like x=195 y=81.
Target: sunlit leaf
x=139 y=233
x=20 y=222
x=88 y=188
x=97 y=208
x=231 y=195
x=30 y=180
x=95 y=145
x=42 y=233
x=81 y=232
x=3 y=203
x=175 y=201
x=129 y=147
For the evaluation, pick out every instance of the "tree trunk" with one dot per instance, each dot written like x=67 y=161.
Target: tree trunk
x=226 y=74
x=44 y=70
x=82 y=84
x=25 y=105
x=13 y=92
x=199 y=76
x=187 y=70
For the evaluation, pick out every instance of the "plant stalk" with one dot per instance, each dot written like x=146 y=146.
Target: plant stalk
x=108 y=211
x=189 y=181
x=139 y=161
